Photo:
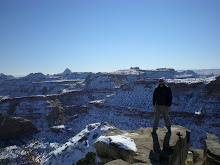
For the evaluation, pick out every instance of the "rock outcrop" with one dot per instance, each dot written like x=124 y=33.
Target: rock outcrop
x=195 y=157
x=211 y=150
x=14 y=127
x=141 y=146
x=213 y=88
x=122 y=162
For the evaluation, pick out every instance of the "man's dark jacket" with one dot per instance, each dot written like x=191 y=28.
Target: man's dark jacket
x=162 y=96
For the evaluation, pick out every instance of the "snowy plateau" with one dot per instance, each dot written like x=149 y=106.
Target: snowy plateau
x=72 y=110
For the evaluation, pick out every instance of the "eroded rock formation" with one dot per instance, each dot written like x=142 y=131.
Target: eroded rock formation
x=162 y=147
x=13 y=127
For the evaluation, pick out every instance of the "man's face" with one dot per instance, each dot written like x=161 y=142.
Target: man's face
x=161 y=82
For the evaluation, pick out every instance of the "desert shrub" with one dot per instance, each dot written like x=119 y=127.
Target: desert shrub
x=90 y=159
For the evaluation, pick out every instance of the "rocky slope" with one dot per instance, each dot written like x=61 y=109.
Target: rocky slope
x=112 y=144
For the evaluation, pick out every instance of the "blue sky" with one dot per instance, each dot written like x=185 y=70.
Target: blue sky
x=107 y=35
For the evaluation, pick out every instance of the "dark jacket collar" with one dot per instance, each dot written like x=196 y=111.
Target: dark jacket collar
x=164 y=86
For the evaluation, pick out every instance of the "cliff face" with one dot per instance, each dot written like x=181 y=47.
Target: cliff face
x=211 y=150
x=213 y=88
x=14 y=127
x=143 y=146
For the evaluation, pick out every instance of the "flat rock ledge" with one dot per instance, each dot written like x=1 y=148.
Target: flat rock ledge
x=144 y=147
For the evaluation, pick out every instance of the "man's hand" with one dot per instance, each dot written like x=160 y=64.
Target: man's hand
x=154 y=108
x=169 y=108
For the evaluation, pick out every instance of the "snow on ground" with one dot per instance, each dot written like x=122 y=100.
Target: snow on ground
x=120 y=140
x=127 y=107
x=127 y=72
x=134 y=96
x=132 y=119
x=208 y=72
x=36 y=110
x=59 y=127
x=140 y=97
x=99 y=82
x=192 y=80
x=77 y=147
x=62 y=148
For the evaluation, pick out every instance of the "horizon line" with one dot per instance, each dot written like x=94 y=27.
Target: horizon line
x=25 y=74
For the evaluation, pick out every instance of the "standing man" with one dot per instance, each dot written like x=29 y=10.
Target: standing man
x=162 y=99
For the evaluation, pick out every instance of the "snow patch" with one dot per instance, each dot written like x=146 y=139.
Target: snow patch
x=78 y=146
x=122 y=141
x=96 y=102
x=59 y=127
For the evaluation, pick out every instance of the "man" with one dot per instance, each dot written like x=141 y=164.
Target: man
x=162 y=99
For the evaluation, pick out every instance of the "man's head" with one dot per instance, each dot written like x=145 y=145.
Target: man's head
x=161 y=81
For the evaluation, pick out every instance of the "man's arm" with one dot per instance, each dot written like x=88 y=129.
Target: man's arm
x=170 y=97
x=154 y=99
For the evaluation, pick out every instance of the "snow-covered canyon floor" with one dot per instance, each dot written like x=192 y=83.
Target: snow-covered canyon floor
x=64 y=106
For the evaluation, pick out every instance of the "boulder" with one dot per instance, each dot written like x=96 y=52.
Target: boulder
x=211 y=150
x=117 y=162
x=143 y=146
x=14 y=127
x=122 y=162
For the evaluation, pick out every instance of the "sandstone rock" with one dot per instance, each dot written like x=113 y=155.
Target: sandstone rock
x=211 y=150
x=189 y=159
x=122 y=162
x=115 y=147
x=117 y=162
x=160 y=148
x=195 y=157
x=13 y=127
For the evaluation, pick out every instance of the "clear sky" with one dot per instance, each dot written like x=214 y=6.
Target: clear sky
x=106 y=35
